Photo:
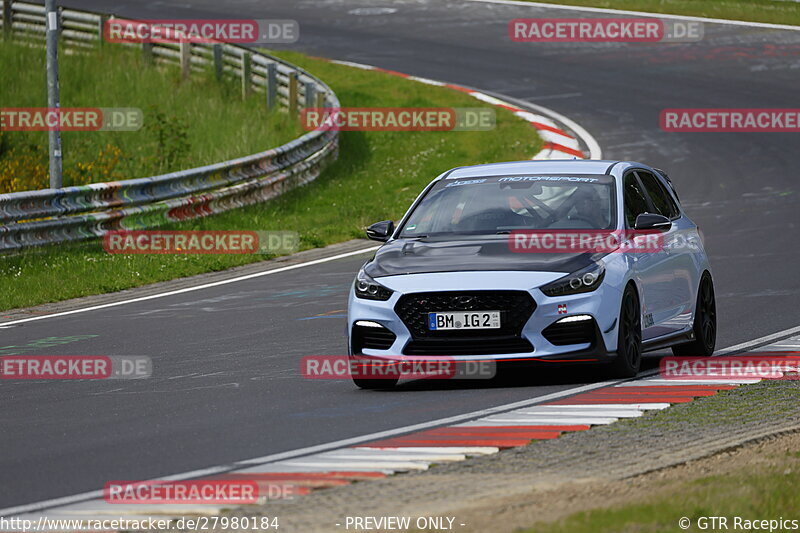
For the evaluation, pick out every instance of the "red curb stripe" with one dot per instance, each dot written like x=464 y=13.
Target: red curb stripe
x=466 y=442
x=459 y=88
x=512 y=433
x=540 y=126
x=392 y=72
x=562 y=148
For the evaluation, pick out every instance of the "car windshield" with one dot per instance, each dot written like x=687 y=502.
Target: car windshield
x=502 y=204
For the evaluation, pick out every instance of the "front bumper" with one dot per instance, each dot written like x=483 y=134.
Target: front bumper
x=531 y=340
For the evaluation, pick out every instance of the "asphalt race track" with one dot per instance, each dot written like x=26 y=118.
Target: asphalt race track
x=227 y=385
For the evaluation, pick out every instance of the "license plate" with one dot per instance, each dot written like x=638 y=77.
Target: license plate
x=464 y=320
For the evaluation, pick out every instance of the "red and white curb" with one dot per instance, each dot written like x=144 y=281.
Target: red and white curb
x=558 y=144
x=417 y=451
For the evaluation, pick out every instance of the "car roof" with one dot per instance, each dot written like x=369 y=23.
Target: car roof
x=577 y=166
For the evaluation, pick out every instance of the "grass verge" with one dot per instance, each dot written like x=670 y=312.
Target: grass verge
x=754 y=482
x=186 y=123
x=772 y=11
x=377 y=176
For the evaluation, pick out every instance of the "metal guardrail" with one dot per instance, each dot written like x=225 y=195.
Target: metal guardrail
x=49 y=216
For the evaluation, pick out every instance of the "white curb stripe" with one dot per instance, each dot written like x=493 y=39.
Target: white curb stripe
x=536 y=420
x=629 y=413
x=685 y=382
x=367 y=464
x=466 y=450
x=393 y=455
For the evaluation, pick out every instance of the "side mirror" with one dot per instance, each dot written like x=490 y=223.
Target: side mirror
x=652 y=221
x=381 y=231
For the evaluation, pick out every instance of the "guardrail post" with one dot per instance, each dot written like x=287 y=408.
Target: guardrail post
x=186 y=59
x=218 y=61
x=8 y=19
x=101 y=25
x=293 y=93
x=247 y=74
x=311 y=90
x=320 y=103
x=272 y=86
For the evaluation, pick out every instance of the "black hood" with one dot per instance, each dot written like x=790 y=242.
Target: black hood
x=417 y=256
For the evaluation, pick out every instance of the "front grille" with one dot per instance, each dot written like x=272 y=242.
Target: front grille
x=515 y=309
x=563 y=333
x=375 y=338
x=471 y=346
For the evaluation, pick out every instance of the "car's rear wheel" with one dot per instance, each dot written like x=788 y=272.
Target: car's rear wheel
x=705 y=323
x=375 y=384
x=629 y=337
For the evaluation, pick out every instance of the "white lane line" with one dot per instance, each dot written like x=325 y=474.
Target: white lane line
x=194 y=288
x=761 y=340
x=239 y=465
x=642 y=14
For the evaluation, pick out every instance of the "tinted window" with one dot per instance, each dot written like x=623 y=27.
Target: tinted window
x=662 y=201
x=635 y=202
x=501 y=204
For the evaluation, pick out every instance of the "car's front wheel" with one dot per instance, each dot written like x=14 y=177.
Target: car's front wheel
x=629 y=339
x=705 y=323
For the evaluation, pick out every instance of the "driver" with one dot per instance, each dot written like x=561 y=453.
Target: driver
x=588 y=208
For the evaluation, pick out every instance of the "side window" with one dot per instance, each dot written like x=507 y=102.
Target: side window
x=635 y=202
x=662 y=201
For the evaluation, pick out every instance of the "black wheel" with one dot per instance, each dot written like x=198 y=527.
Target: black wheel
x=629 y=339
x=375 y=384
x=705 y=323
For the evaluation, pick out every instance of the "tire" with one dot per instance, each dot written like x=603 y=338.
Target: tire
x=629 y=336
x=375 y=384
x=705 y=323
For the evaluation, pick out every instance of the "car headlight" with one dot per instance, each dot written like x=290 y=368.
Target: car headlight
x=584 y=280
x=369 y=289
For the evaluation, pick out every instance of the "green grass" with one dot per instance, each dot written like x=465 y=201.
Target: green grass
x=772 y=11
x=761 y=487
x=766 y=495
x=377 y=176
x=186 y=123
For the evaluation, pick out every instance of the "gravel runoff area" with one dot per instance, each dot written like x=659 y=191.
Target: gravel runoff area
x=548 y=480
